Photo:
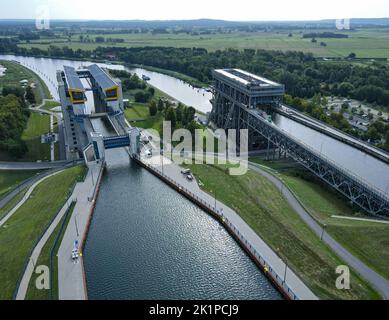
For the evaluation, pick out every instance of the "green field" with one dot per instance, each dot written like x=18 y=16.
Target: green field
x=12 y=203
x=9 y=179
x=137 y=111
x=44 y=259
x=37 y=125
x=16 y=72
x=50 y=105
x=263 y=207
x=369 y=241
x=25 y=227
x=367 y=43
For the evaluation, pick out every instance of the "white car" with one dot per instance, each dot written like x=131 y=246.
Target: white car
x=75 y=254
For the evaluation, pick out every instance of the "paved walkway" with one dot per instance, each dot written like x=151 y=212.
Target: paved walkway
x=23 y=286
x=379 y=282
x=360 y=219
x=173 y=171
x=71 y=282
x=25 y=198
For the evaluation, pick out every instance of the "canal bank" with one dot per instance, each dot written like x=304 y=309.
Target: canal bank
x=71 y=275
x=146 y=241
x=285 y=280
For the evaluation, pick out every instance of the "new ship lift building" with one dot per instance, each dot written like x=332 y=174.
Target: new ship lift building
x=107 y=92
x=75 y=88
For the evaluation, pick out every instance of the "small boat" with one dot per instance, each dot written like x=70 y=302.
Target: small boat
x=145 y=78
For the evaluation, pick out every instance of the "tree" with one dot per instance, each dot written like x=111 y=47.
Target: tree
x=13 y=120
x=151 y=90
x=161 y=105
x=17 y=91
x=171 y=116
x=142 y=96
x=30 y=96
x=179 y=112
x=373 y=134
x=352 y=55
x=153 y=108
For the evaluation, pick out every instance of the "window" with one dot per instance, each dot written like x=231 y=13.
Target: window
x=112 y=93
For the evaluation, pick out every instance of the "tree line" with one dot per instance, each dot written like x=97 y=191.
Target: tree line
x=14 y=115
x=302 y=74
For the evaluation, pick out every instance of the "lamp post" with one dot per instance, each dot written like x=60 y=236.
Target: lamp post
x=93 y=179
x=322 y=231
x=286 y=269
x=286 y=264
x=75 y=222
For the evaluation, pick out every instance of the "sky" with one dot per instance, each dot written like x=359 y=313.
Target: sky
x=235 y=10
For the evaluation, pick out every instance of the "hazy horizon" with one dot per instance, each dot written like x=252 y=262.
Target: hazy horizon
x=152 y=10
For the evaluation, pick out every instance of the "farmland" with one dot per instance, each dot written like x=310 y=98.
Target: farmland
x=366 y=43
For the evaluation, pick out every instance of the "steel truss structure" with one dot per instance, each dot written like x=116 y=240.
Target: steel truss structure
x=235 y=109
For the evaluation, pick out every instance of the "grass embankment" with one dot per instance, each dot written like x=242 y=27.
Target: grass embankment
x=138 y=115
x=12 y=203
x=16 y=72
x=37 y=125
x=44 y=259
x=369 y=241
x=263 y=207
x=50 y=105
x=9 y=179
x=26 y=226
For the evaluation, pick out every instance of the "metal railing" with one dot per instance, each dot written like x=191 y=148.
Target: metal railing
x=248 y=246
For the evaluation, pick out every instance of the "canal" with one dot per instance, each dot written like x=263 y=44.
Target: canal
x=365 y=167
x=146 y=241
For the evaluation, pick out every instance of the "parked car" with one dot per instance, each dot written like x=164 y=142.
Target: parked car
x=185 y=171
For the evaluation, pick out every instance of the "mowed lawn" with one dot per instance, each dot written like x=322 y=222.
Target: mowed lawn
x=137 y=111
x=9 y=179
x=25 y=227
x=139 y=116
x=37 y=125
x=50 y=105
x=12 y=203
x=263 y=207
x=369 y=241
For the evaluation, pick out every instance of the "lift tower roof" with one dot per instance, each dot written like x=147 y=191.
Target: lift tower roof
x=247 y=79
x=72 y=79
x=101 y=77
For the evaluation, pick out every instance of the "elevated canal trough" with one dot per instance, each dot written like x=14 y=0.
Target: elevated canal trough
x=238 y=103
